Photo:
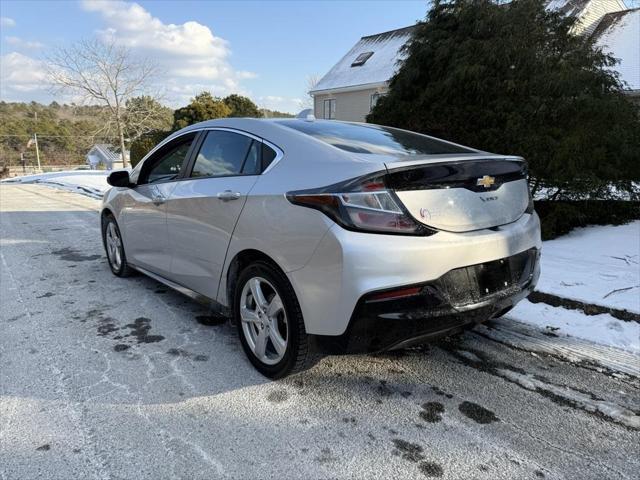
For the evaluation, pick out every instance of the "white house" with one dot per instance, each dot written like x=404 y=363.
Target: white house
x=588 y=13
x=104 y=154
x=353 y=85
x=618 y=33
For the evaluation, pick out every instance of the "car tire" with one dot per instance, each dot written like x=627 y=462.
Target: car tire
x=282 y=321
x=114 y=247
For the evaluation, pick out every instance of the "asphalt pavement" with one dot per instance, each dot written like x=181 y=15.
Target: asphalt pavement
x=109 y=378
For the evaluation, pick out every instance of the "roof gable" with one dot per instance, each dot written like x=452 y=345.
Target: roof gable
x=619 y=34
x=587 y=12
x=378 y=68
x=105 y=151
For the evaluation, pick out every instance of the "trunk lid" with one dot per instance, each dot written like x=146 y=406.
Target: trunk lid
x=463 y=192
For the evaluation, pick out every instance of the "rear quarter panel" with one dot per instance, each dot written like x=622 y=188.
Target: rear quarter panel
x=269 y=223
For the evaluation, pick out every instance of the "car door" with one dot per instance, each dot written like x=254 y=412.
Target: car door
x=145 y=215
x=203 y=209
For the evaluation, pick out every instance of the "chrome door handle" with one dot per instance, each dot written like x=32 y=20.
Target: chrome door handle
x=228 y=195
x=158 y=199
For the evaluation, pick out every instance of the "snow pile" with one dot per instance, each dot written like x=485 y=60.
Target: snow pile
x=92 y=183
x=598 y=265
x=601 y=329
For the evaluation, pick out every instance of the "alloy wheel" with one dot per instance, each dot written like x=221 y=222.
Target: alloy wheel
x=264 y=320
x=114 y=246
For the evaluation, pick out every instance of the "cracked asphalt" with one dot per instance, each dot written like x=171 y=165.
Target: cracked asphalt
x=111 y=378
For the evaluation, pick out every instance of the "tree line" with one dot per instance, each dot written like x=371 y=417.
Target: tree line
x=66 y=132
x=202 y=107
x=121 y=106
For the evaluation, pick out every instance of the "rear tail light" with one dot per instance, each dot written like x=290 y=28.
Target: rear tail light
x=530 y=208
x=363 y=204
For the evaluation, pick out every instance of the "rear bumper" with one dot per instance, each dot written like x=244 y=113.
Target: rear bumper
x=460 y=298
x=346 y=266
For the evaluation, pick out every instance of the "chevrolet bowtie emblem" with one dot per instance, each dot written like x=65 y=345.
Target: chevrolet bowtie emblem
x=486 y=181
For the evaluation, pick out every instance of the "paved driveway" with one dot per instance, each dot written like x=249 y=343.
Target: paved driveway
x=113 y=378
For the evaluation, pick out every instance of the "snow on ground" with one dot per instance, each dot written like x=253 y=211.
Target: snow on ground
x=597 y=264
x=617 y=413
x=601 y=329
x=87 y=182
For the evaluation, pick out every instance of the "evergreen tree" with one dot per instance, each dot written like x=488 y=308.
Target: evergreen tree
x=241 y=106
x=203 y=107
x=511 y=78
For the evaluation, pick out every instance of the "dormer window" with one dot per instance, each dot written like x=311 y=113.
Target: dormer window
x=361 y=59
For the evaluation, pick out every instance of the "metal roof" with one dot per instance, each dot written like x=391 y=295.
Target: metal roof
x=106 y=151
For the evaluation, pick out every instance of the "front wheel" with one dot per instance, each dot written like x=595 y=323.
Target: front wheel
x=270 y=322
x=115 y=249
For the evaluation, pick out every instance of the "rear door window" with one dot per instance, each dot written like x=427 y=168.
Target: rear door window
x=268 y=156
x=223 y=154
x=252 y=163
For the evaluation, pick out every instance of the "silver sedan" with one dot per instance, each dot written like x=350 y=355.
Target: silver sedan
x=321 y=237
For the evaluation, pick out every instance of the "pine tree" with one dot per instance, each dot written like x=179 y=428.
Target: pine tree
x=241 y=106
x=511 y=78
x=203 y=107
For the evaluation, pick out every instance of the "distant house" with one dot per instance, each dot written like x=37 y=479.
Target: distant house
x=588 y=13
x=104 y=154
x=353 y=85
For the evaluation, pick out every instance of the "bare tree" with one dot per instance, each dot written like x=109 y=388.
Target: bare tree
x=312 y=81
x=104 y=73
x=146 y=114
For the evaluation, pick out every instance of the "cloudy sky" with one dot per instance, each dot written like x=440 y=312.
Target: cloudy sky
x=265 y=50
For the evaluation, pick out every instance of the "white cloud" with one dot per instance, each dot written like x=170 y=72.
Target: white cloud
x=20 y=74
x=188 y=53
x=18 y=42
x=282 y=104
x=7 y=22
x=191 y=58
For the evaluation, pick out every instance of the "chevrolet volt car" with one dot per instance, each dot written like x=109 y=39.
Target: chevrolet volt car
x=326 y=237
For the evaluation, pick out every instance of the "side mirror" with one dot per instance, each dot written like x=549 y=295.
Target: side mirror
x=119 y=178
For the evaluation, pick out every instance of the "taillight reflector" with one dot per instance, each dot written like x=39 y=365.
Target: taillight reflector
x=395 y=294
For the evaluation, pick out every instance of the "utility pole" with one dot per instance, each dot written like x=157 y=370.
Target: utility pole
x=35 y=140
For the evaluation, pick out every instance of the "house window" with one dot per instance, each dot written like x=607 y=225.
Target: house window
x=361 y=59
x=329 y=109
x=374 y=99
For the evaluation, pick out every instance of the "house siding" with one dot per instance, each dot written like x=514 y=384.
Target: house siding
x=592 y=14
x=351 y=106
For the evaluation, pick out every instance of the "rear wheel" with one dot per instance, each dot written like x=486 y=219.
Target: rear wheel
x=115 y=249
x=270 y=322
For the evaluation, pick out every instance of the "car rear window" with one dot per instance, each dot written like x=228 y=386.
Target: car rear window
x=373 y=139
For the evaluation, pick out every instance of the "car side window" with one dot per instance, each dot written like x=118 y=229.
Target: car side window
x=166 y=164
x=222 y=154
x=268 y=155
x=252 y=163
